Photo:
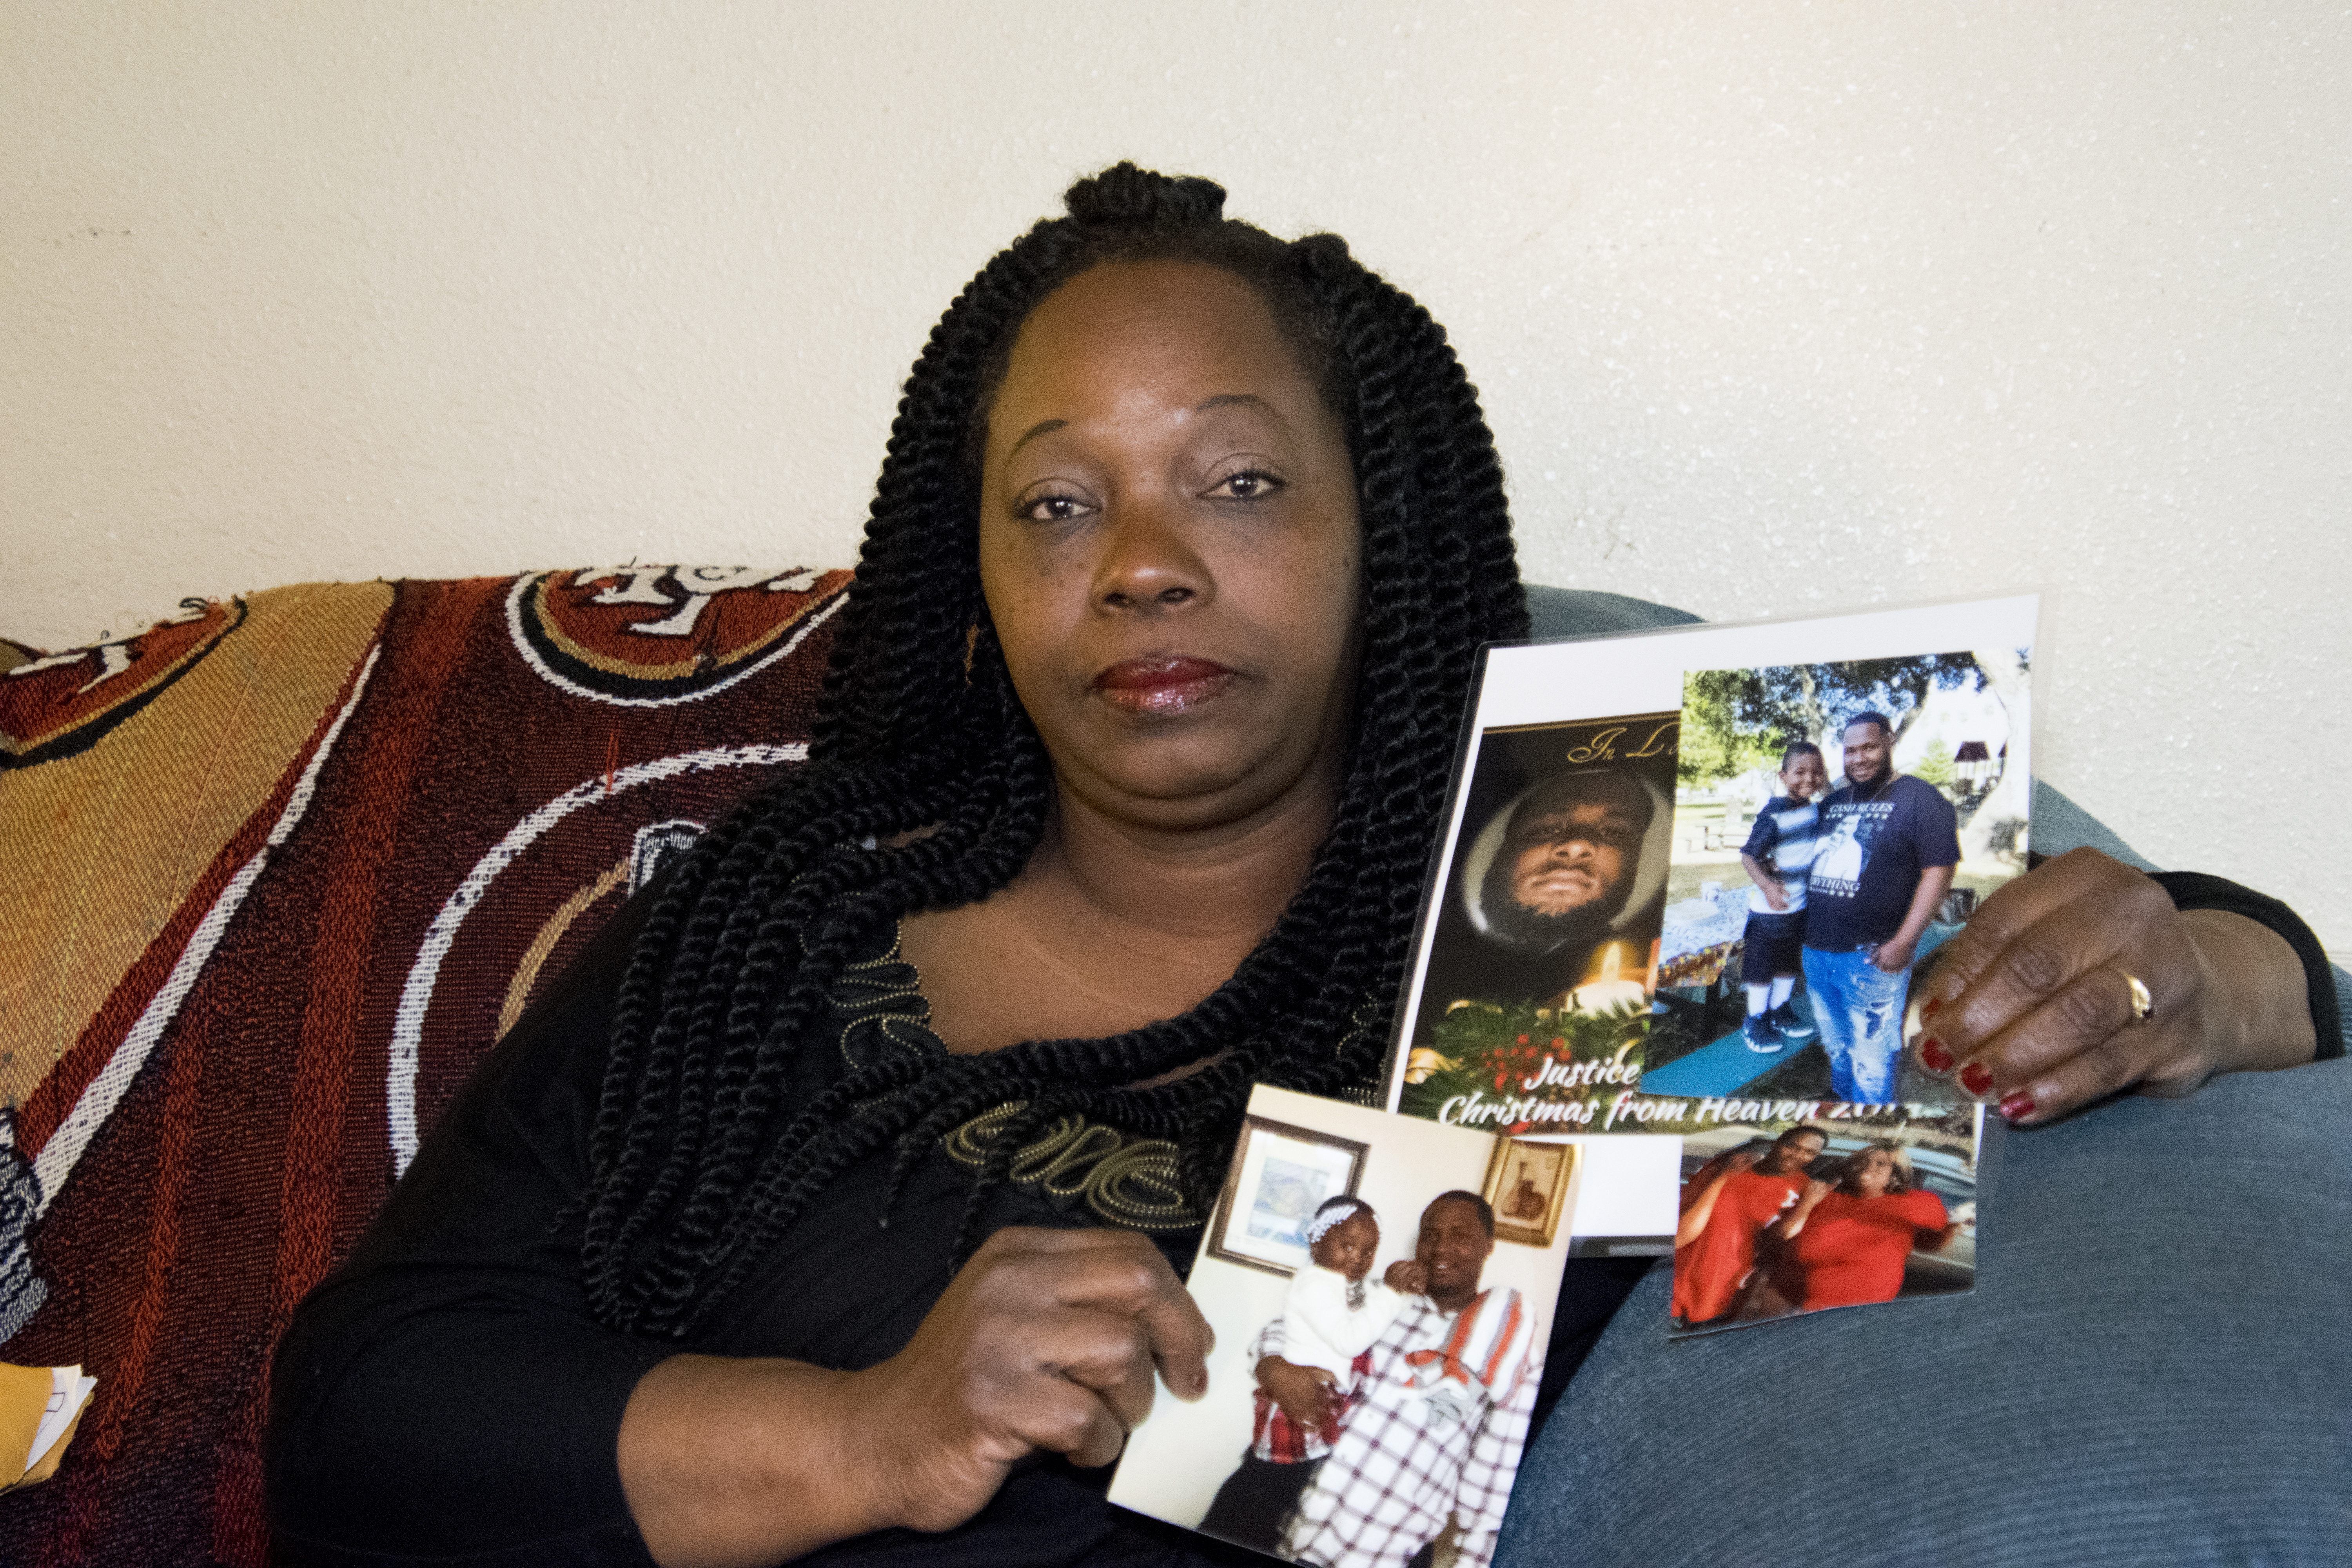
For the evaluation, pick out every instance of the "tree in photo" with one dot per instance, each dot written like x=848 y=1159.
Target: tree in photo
x=1714 y=746
x=1812 y=702
x=1735 y=719
x=1935 y=767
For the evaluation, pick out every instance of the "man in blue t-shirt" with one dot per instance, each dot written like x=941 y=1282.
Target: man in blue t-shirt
x=1888 y=846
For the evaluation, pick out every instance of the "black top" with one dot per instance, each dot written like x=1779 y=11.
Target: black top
x=2196 y=890
x=447 y=1395
x=1876 y=841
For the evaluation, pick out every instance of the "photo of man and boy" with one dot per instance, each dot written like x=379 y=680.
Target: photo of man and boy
x=1785 y=1217
x=1369 y=1410
x=1896 y=796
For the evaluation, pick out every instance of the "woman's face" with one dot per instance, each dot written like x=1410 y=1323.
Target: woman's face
x=1874 y=1170
x=1169 y=548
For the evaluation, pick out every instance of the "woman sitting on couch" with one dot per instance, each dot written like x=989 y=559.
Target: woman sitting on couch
x=1136 y=735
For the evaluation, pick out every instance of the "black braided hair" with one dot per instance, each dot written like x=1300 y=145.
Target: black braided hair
x=696 y=1163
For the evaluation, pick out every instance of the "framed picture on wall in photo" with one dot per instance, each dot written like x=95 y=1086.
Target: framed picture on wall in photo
x=1527 y=1183
x=1282 y=1174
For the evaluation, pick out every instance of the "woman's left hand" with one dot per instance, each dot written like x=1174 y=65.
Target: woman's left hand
x=2033 y=1006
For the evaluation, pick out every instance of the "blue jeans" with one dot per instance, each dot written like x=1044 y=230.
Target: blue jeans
x=1858 y=1007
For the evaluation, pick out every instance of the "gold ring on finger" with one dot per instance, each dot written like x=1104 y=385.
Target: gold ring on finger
x=2143 y=1006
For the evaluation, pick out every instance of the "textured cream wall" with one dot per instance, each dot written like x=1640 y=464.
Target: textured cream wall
x=1776 y=308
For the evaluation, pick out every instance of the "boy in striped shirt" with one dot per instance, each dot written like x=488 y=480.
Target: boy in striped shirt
x=1777 y=857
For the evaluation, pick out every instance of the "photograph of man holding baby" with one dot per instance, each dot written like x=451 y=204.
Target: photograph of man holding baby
x=1835 y=825
x=1366 y=1406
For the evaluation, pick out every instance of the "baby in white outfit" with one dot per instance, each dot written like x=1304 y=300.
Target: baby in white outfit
x=1333 y=1313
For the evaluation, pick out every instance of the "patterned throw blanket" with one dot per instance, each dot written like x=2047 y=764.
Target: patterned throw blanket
x=276 y=873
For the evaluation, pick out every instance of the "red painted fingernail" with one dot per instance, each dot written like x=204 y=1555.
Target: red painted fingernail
x=1977 y=1078
x=2016 y=1106
x=1935 y=1056
x=1928 y=1009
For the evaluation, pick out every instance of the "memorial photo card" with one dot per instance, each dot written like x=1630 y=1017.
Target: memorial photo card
x=1713 y=861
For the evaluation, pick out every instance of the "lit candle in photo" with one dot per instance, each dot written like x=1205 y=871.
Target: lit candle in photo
x=1610 y=990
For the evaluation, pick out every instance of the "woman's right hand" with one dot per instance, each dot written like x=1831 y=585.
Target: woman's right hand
x=1046 y=1340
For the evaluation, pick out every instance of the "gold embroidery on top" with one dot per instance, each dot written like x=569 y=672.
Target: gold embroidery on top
x=1129 y=1181
x=886 y=995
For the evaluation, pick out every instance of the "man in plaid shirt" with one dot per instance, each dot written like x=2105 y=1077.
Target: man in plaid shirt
x=1436 y=1413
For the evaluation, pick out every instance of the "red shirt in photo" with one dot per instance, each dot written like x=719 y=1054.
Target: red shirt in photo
x=1852 y=1250
x=1708 y=1272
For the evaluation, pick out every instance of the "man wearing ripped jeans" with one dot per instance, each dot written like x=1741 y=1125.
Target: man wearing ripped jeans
x=1888 y=845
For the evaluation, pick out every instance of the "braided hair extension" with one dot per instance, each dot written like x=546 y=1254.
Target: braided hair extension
x=696 y=1161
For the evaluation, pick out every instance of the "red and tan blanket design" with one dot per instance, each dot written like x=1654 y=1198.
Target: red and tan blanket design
x=655 y=635
x=53 y=705
x=267 y=922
